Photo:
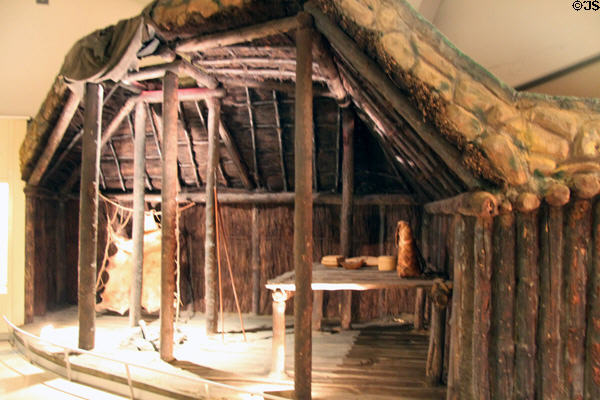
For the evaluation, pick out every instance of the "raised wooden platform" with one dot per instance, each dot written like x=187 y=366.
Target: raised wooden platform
x=331 y=278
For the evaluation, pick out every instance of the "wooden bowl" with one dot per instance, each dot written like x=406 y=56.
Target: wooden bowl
x=353 y=264
x=386 y=263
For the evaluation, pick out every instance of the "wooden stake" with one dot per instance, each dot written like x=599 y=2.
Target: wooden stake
x=526 y=304
x=548 y=374
x=481 y=306
x=303 y=208
x=577 y=250
x=592 y=360
x=88 y=215
x=169 y=214
x=139 y=173
x=419 y=314
x=435 y=354
x=210 y=290
x=502 y=344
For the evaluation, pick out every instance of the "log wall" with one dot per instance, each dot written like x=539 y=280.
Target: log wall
x=526 y=295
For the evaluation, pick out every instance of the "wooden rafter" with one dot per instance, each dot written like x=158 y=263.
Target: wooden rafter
x=55 y=138
x=241 y=35
x=220 y=165
x=371 y=72
x=154 y=130
x=315 y=170
x=159 y=125
x=328 y=69
x=117 y=164
x=253 y=136
x=279 y=131
x=188 y=138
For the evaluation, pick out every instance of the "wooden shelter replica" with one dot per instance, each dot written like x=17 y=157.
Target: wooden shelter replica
x=322 y=124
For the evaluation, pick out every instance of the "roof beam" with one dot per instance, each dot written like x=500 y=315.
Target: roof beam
x=235 y=36
x=280 y=140
x=253 y=133
x=328 y=69
x=55 y=138
x=372 y=73
x=188 y=138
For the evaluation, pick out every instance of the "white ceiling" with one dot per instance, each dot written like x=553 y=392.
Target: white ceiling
x=518 y=41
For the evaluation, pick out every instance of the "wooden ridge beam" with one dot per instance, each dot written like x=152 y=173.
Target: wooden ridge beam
x=56 y=136
x=241 y=35
x=372 y=73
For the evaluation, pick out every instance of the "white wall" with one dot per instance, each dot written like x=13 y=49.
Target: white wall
x=12 y=304
x=35 y=38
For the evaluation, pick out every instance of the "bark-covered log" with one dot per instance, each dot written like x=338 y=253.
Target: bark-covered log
x=548 y=376
x=303 y=209
x=464 y=259
x=577 y=243
x=482 y=251
x=435 y=354
x=502 y=345
x=88 y=215
x=526 y=304
x=592 y=360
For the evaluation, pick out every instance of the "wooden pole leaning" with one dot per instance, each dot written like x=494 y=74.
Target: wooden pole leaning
x=169 y=215
x=303 y=208
x=88 y=215
x=210 y=257
x=135 y=300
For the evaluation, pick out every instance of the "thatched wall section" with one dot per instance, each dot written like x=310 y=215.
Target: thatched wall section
x=275 y=226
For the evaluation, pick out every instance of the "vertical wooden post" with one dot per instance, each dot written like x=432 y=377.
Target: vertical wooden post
x=465 y=260
x=526 y=303
x=548 y=378
x=61 y=250
x=303 y=208
x=347 y=205
x=435 y=354
x=317 y=316
x=255 y=262
x=502 y=345
x=210 y=257
x=278 y=341
x=592 y=361
x=381 y=304
x=137 y=265
x=88 y=214
x=29 y=256
x=482 y=300
x=577 y=248
x=454 y=380
x=169 y=214
x=419 y=314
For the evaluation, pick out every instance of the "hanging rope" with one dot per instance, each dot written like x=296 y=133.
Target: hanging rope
x=226 y=246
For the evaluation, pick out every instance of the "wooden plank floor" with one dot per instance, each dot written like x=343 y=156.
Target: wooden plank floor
x=384 y=362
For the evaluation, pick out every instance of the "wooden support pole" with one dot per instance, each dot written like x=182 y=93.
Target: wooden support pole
x=169 y=215
x=592 y=360
x=29 y=256
x=548 y=373
x=347 y=205
x=278 y=341
x=435 y=354
x=382 y=226
x=502 y=344
x=419 y=314
x=139 y=173
x=61 y=250
x=255 y=262
x=526 y=304
x=88 y=215
x=303 y=208
x=577 y=250
x=317 y=316
x=210 y=259
x=482 y=300
x=464 y=257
